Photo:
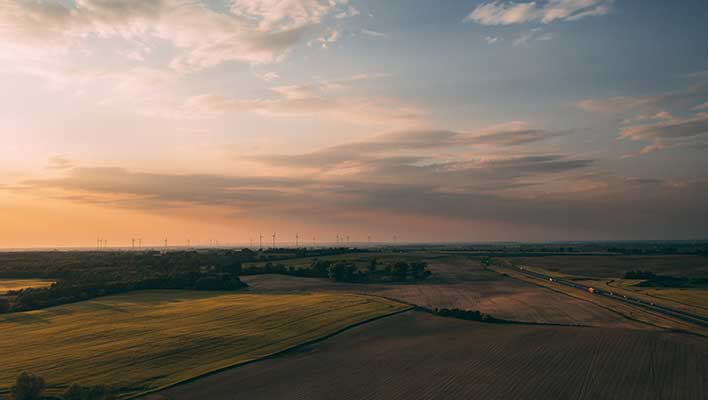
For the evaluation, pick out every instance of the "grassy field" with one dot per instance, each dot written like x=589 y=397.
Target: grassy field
x=17 y=284
x=143 y=341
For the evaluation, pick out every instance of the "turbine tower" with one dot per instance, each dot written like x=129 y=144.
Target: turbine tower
x=297 y=240
x=261 y=240
x=273 y=239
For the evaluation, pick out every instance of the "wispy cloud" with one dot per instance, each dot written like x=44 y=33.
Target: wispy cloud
x=669 y=133
x=651 y=118
x=258 y=32
x=371 y=33
x=331 y=98
x=533 y=34
x=507 y=13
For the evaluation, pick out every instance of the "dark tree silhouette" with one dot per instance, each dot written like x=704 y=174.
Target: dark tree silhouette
x=28 y=387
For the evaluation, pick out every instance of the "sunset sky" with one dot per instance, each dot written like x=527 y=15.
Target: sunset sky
x=444 y=120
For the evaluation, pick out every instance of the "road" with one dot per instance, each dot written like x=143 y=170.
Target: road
x=634 y=301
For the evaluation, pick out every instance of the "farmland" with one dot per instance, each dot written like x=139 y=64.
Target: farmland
x=459 y=282
x=17 y=284
x=142 y=341
x=263 y=340
x=419 y=356
x=603 y=266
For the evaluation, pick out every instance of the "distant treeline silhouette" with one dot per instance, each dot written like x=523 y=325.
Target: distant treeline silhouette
x=32 y=387
x=345 y=271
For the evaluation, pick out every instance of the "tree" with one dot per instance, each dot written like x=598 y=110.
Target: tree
x=371 y=269
x=28 y=387
x=399 y=271
x=78 y=392
x=5 y=305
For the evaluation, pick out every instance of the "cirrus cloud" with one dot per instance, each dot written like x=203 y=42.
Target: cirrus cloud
x=508 y=13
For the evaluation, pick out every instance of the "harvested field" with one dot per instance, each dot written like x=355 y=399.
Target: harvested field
x=465 y=284
x=142 y=341
x=17 y=284
x=415 y=355
x=615 y=266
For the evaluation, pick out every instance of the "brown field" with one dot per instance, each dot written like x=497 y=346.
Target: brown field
x=17 y=284
x=615 y=266
x=419 y=356
x=464 y=283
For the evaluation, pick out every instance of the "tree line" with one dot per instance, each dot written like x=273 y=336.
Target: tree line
x=32 y=387
x=346 y=271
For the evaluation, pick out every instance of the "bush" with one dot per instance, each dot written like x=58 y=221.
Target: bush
x=27 y=387
x=78 y=392
x=5 y=305
x=639 y=274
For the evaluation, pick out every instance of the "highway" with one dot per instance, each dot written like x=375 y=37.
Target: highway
x=634 y=301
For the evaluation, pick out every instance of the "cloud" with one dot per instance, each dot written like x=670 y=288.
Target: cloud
x=267 y=76
x=507 y=13
x=533 y=34
x=648 y=104
x=371 y=33
x=610 y=207
x=351 y=11
x=432 y=156
x=330 y=98
x=669 y=133
x=653 y=118
x=280 y=15
x=59 y=163
x=253 y=31
x=701 y=107
x=328 y=36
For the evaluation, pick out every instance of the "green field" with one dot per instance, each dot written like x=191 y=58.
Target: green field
x=143 y=341
x=17 y=284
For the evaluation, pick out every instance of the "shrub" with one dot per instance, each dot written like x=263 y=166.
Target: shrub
x=5 y=305
x=78 y=392
x=28 y=387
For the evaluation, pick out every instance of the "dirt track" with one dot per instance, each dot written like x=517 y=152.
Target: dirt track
x=463 y=283
x=419 y=356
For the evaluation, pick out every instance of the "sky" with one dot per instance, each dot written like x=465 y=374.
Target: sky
x=430 y=121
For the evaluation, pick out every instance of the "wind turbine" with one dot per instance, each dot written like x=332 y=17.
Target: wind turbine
x=273 y=239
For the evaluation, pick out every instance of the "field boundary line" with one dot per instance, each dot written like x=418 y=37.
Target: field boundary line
x=277 y=353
